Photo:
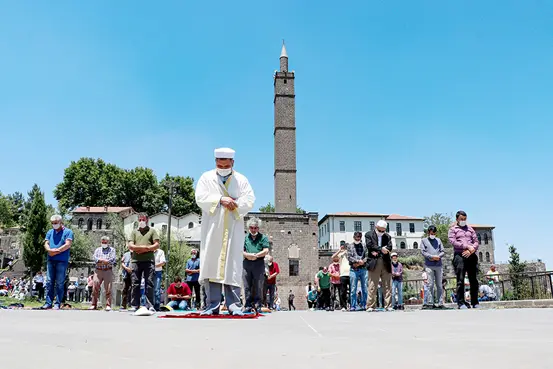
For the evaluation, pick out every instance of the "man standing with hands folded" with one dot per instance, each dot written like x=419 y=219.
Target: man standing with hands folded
x=465 y=261
x=379 y=264
x=256 y=246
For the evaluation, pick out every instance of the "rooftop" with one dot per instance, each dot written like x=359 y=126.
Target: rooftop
x=402 y=217
x=369 y=215
x=482 y=226
x=101 y=209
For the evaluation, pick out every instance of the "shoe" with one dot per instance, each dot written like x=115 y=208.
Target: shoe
x=210 y=312
x=352 y=309
x=477 y=306
x=56 y=307
x=463 y=307
x=152 y=310
x=390 y=309
x=132 y=309
x=92 y=307
x=370 y=310
x=122 y=309
x=45 y=307
x=426 y=307
x=343 y=309
x=108 y=308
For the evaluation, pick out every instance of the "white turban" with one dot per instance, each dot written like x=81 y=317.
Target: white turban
x=224 y=153
x=382 y=224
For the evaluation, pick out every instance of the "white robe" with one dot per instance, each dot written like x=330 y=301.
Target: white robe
x=222 y=238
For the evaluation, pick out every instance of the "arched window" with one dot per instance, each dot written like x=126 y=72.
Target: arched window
x=485 y=238
x=415 y=245
x=89 y=223
x=190 y=225
x=99 y=224
x=402 y=245
x=480 y=256
x=479 y=238
x=487 y=257
x=80 y=223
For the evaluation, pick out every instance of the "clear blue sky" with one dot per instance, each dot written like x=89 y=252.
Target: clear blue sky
x=401 y=107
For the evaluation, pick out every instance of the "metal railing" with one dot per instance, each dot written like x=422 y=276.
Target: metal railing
x=511 y=286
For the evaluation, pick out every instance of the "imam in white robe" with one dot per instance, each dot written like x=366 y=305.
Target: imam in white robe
x=222 y=237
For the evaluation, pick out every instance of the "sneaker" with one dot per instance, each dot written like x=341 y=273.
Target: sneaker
x=390 y=309
x=477 y=306
x=370 y=310
x=343 y=309
x=152 y=310
x=122 y=309
x=92 y=307
x=463 y=307
x=46 y=307
x=56 y=307
x=108 y=308
x=132 y=309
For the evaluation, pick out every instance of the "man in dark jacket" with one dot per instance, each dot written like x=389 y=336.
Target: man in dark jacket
x=357 y=257
x=379 y=264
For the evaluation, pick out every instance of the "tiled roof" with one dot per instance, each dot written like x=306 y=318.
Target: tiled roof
x=357 y=214
x=101 y=209
x=402 y=217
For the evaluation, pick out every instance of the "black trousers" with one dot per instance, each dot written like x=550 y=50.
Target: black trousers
x=40 y=290
x=325 y=298
x=468 y=266
x=271 y=288
x=142 y=269
x=195 y=288
x=344 y=292
x=127 y=283
x=254 y=278
x=291 y=305
x=334 y=295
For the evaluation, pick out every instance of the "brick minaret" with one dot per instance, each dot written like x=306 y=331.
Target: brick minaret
x=285 y=138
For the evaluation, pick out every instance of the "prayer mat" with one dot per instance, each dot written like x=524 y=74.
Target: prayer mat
x=219 y=316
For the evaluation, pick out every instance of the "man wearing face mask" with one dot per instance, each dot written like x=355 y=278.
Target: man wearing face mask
x=342 y=256
x=433 y=251
x=57 y=243
x=465 y=261
x=104 y=257
x=144 y=241
x=273 y=271
x=256 y=247
x=357 y=257
x=192 y=276
x=379 y=264
x=225 y=197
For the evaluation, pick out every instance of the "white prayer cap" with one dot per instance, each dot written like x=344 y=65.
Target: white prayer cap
x=382 y=224
x=224 y=153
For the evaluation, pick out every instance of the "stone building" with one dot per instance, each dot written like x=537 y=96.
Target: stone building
x=183 y=229
x=10 y=245
x=96 y=218
x=486 y=250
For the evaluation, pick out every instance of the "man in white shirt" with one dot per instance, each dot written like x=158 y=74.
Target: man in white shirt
x=160 y=261
x=342 y=255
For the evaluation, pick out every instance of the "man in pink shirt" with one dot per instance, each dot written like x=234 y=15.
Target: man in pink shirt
x=465 y=261
x=334 y=270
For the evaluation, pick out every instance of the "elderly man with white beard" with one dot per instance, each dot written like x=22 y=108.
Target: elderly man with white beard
x=225 y=197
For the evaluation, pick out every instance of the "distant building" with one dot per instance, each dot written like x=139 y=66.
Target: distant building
x=95 y=218
x=338 y=228
x=486 y=250
x=184 y=229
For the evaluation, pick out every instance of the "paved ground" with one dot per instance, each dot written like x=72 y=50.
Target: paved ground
x=419 y=339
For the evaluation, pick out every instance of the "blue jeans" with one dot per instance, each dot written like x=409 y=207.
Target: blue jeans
x=178 y=305
x=397 y=286
x=157 y=289
x=55 y=285
x=359 y=275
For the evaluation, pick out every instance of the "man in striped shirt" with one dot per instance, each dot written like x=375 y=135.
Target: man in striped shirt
x=104 y=257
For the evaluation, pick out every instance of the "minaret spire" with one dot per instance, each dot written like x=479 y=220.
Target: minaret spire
x=283 y=58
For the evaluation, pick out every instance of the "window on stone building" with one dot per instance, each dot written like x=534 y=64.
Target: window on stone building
x=485 y=238
x=99 y=224
x=342 y=226
x=480 y=255
x=190 y=225
x=81 y=223
x=402 y=245
x=398 y=229
x=415 y=245
x=412 y=227
x=357 y=227
x=487 y=257
x=479 y=237
x=371 y=225
x=89 y=223
x=388 y=228
x=294 y=267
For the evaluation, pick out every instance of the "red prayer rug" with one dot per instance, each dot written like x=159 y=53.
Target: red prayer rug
x=219 y=316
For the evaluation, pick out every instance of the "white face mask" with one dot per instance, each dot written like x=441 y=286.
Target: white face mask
x=253 y=234
x=105 y=245
x=463 y=223
x=141 y=224
x=56 y=226
x=432 y=236
x=379 y=233
x=224 y=172
x=356 y=242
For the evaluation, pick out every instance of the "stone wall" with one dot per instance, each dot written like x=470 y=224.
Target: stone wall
x=293 y=239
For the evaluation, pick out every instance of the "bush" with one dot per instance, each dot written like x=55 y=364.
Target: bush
x=417 y=260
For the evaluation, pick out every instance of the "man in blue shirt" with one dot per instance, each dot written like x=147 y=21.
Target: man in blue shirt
x=57 y=243
x=192 y=276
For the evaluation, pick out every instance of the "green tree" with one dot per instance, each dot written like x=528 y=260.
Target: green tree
x=82 y=249
x=184 y=201
x=17 y=201
x=178 y=256
x=142 y=191
x=36 y=226
x=521 y=289
x=6 y=212
x=270 y=208
x=442 y=223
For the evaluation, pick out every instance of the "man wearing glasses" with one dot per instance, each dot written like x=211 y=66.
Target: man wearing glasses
x=57 y=243
x=256 y=246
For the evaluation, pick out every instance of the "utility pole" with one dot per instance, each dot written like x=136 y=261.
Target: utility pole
x=170 y=185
